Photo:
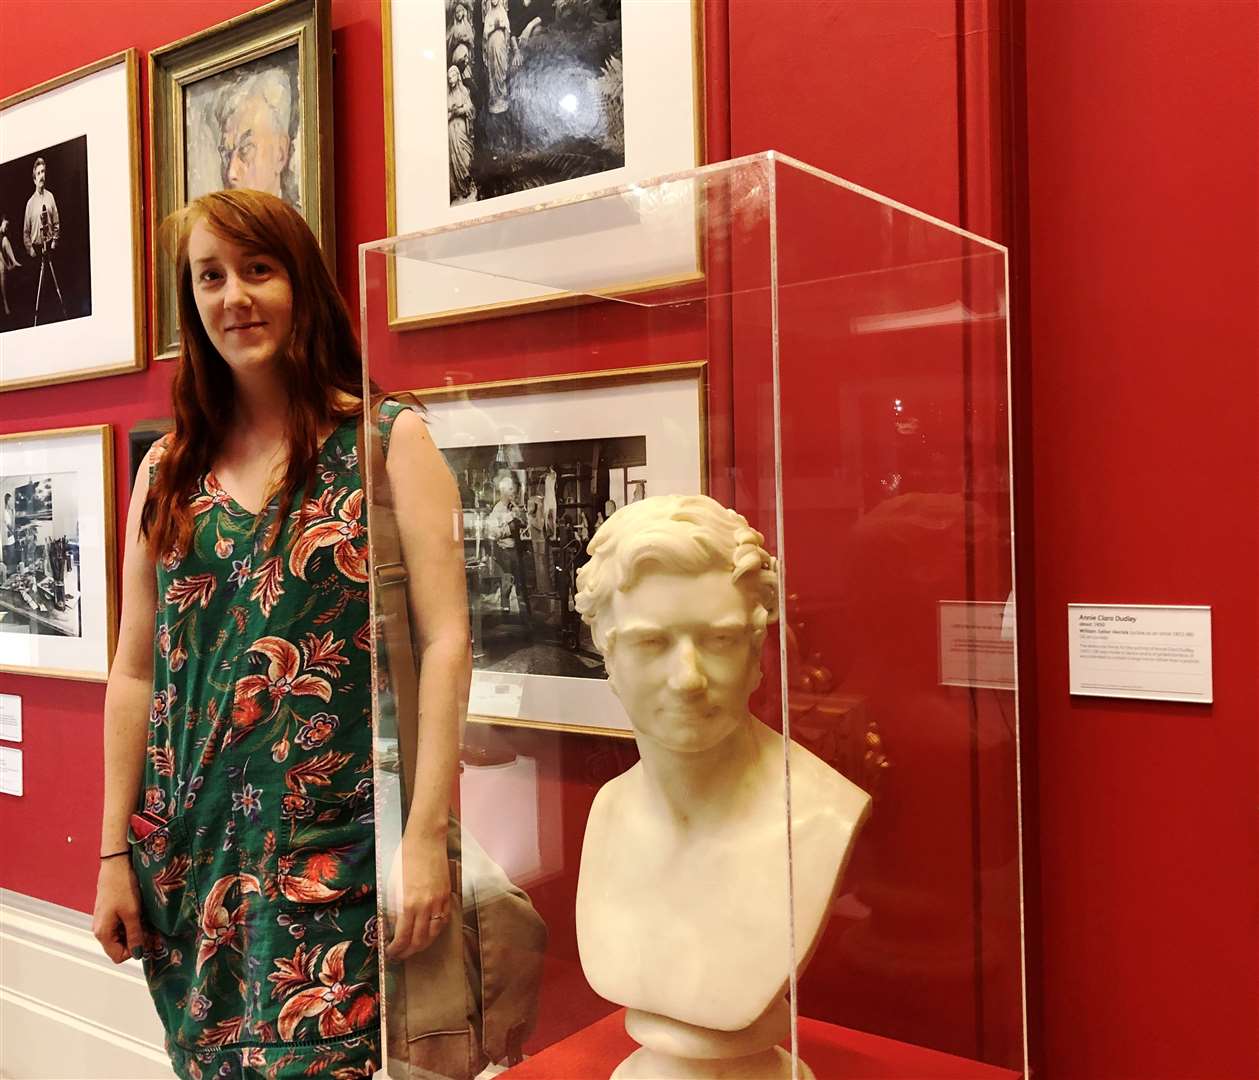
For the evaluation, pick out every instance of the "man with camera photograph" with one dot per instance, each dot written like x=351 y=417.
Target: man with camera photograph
x=41 y=227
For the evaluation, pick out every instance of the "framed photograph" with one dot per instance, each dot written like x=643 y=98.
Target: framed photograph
x=498 y=105
x=139 y=439
x=57 y=580
x=245 y=104
x=71 y=232
x=540 y=465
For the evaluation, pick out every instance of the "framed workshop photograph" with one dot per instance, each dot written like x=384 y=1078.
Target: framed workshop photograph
x=540 y=465
x=245 y=104
x=71 y=227
x=499 y=105
x=57 y=580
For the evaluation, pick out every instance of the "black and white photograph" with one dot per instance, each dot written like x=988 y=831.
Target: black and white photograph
x=541 y=464
x=499 y=107
x=40 y=586
x=57 y=574
x=535 y=93
x=71 y=227
x=530 y=509
x=45 y=237
x=243 y=128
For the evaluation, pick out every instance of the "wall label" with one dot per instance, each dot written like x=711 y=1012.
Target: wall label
x=10 y=770
x=10 y=718
x=1148 y=651
x=976 y=642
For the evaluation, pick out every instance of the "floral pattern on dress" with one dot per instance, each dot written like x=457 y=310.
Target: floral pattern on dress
x=258 y=894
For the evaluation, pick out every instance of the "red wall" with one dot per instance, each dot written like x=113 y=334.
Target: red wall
x=1142 y=184
x=1139 y=407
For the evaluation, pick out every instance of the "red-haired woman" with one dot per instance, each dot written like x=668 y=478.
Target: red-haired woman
x=237 y=849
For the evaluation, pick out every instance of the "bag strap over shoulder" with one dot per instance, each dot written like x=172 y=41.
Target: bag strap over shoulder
x=429 y=1016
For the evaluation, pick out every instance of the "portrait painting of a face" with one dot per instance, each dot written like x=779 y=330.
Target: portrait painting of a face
x=242 y=129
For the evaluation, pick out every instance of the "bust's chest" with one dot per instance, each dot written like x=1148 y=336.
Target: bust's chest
x=696 y=930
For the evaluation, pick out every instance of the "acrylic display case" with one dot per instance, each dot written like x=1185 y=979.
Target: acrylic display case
x=834 y=366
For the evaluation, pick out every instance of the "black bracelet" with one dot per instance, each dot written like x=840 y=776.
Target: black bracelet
x=115 y=854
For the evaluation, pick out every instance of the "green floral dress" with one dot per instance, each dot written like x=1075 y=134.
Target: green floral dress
x=259 y=891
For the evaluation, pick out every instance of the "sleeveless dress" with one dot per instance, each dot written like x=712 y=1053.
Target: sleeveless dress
x=258 y=892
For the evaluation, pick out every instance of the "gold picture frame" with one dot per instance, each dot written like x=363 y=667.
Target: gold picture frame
x=58 y=593
x=275 y=63
x=99 y=226
x=665 y=406
x=567 y=189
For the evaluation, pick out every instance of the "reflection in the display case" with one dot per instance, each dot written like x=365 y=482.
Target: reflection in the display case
x=471 y=998
x=913 y=932
x=944 y=315
x=504 y=805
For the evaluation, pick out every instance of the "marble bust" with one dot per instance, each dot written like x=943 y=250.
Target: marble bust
x=683 y=893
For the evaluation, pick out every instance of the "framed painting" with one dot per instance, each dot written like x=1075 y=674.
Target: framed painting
x=540 y=465
x=57 y=614
x=245 y=104
x=71 y=231
x=499 y=105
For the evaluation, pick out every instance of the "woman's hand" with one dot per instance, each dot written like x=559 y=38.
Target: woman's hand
x=116 y=919
x=419 y=894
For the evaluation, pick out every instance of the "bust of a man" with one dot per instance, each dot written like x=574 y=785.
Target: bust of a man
x=682 y=900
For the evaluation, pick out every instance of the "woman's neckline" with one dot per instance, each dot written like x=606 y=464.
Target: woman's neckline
x=212 y=477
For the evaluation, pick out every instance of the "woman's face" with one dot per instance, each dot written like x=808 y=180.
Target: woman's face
x=244 y=297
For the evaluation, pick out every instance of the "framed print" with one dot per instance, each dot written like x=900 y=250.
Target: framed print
x=540 y=464
x=499 y=105
x=139 y=439
x=57 y=590
x=245 y=104
x=71 y=232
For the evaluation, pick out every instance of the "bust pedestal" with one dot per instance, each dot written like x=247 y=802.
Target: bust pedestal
x=672 y=1050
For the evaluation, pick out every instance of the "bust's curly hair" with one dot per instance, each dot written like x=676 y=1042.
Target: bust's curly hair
x=675 y=534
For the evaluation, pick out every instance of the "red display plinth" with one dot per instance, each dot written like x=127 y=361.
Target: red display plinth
x=833 y=1052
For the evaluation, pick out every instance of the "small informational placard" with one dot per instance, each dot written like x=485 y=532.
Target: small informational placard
x=976 y=644
x=493 y=694
x=1153 y=652
x=10 y=718
x=10 y=771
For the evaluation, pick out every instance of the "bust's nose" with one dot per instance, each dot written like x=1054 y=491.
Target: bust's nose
x=687 y=677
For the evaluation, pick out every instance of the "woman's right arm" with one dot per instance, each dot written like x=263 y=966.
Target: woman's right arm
x=128 y=699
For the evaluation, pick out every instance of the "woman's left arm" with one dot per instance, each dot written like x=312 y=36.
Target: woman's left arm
x=430 y=520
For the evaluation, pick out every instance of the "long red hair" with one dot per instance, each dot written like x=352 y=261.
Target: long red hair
x=321 y=365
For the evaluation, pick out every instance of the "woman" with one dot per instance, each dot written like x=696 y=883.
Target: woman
x=237 y=723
